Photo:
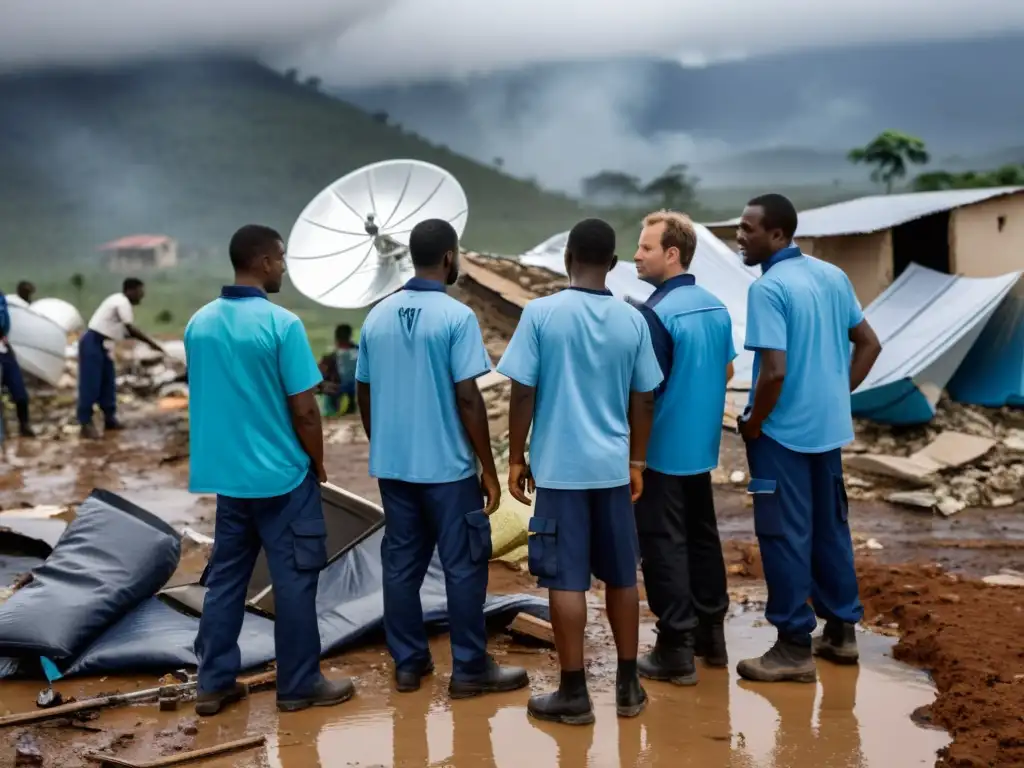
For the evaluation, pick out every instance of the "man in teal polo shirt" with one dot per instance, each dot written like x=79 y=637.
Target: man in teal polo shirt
x=256 y=442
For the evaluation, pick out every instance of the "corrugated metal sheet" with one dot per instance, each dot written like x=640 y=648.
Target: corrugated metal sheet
x=927 y=322
x=135 y=241
x=715 y=266
x=992 y=374
x=880 y=212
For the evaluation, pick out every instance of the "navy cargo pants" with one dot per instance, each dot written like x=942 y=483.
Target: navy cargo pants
x=96 y=379
x=292 y=532
x=801 y=521
x=418 y=517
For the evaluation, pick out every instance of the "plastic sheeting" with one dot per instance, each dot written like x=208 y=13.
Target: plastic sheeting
x=927 y=322
x=149 y=634
x=39 y=344
x=992 y=374
x=112 y=556
x=63 y=313
x=715 y=266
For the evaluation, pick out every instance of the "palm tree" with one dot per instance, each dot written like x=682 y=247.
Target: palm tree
x=890 y=153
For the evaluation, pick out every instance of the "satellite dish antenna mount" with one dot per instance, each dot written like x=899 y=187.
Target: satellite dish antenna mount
x=340 y=257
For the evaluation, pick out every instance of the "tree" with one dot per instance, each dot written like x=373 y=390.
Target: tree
x=674 y=188
x=381 y=117
x=313 y=83
x=78 y=283
x=889 y=153
x=1007 y=176
x=611 y=184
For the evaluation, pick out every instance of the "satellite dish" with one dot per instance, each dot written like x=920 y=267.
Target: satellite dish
x=349 y=246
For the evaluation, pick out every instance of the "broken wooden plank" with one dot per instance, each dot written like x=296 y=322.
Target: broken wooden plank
x=182 y=757
x=531 y=626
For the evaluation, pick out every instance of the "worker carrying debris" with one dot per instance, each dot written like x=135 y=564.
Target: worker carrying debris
x=11 y=379
x=681 y=553
x=583 y=373
x=802 y=314
x=113 y=321
x=257 y=442
x=420 y=354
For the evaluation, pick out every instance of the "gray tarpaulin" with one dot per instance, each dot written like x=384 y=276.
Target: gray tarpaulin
x=150 y=634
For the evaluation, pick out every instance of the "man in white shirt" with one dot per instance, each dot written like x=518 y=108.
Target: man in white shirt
x=113 y=321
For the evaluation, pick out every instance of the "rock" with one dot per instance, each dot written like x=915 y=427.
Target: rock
x=852 y=481
x=873 y=544
x=1003 y=480
x=27 y=752
x=950 y=598
x=1014 y=440
x=950 y=506
x=1001 y=501
x=1004 y=580
x=737 y=477
x=921 y=499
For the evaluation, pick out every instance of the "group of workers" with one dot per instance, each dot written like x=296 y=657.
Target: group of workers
x=113 y=321
x=625 y=404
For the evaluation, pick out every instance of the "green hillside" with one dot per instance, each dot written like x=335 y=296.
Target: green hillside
x=195 y=150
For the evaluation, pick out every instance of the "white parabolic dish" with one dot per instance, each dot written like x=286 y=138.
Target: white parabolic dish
x=39 y=344
x=64 y=314
x=335 y=257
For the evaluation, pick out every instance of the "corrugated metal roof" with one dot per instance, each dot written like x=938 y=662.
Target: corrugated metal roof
x=880 y=212
x=135 y=241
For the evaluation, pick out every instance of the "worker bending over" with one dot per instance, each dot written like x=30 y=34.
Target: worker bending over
x=113 y=321
x=802 y=315
x=684 y=570
x=420 y=354
x=256 y=442
x=583 y=372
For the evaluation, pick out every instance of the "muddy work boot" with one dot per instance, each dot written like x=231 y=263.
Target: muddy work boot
x=326 y=693
x=569 y=705
x=89 y=432
x=786 y=661
x=112 y=426
x=837 y=643
x=710 y=644
x=408 y=680
x=208 y=704
x=495 y=679
x=630 y=696
x=669 y=663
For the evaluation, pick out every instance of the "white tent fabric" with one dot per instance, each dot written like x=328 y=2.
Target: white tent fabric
x=927 y=322
x=38 y=344
x=715 y=266
x=61 y=312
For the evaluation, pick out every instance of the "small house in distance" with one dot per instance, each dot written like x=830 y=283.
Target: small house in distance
x=139 y=253
x=969 y=232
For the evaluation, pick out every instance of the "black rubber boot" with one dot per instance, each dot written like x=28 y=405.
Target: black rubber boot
x=496 y=679
x=24 y=429
x=112 y=425
x=326 y=693
x=630 y=696
x=208 y=704
x=408 y=680
x=785 y=661
x=837 y=643
x=710 y=643
x=569 y=705
x=670 y=663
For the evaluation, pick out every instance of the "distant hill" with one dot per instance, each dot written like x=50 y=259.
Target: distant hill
x=194 y=150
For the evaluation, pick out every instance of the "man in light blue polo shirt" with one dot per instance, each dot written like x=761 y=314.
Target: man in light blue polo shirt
x=420 y=354
x=684 y=570
x=802 y=316
x=257 y=443
x=583 y=373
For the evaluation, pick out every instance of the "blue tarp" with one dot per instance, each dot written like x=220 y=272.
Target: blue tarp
x=992 y=374
x=151 y=635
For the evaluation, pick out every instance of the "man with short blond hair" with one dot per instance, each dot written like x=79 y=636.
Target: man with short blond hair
x=681 y=553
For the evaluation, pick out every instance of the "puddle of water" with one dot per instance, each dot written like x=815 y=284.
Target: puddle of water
x=173 y=505
x=853 y=718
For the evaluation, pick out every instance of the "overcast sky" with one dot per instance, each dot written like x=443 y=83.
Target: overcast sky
x=352 y=42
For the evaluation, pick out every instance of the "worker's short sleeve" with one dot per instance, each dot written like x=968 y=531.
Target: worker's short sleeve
x=298 y=367
x=730 y=345
x=647 y=373
x=363 y=358
x=468 y=355
x=766 y=317
x=856 y=314
x=521 y=361
x=123 y=310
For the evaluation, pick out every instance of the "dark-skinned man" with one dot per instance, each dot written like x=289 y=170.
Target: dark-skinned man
x=113 y=321
x=681 y=553
x=802 y=315
x=256 y=441
x=420 y=354
x=11 y=379
x=583 y=373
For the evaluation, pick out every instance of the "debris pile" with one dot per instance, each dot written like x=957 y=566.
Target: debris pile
x=966 y=457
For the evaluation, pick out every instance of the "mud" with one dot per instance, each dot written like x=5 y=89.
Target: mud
x=967 y=636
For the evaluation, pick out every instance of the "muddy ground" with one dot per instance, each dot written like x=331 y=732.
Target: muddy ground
x=918 y=581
